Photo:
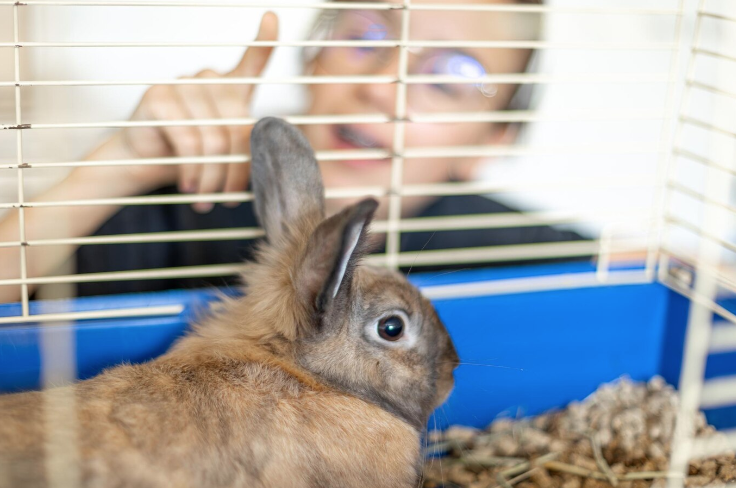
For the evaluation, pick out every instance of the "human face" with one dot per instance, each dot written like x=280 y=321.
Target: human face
x=381 y=98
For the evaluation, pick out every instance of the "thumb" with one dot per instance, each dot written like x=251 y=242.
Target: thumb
x=255 y=58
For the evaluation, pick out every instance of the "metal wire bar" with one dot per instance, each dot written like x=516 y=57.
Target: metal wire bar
x=349 y=5
x=145 y=274
x=683 y=289
x=505 y=116
x=223 y=159
x=702 y=160
x=606 y=237
x=542 y=9
x=19 y=160
x=531 y=284
x=141 y=200
x=173 y=236
x=512 y=150
x=399 y=142
x=440 y=118
x=723 y=339
x=632 y=180
x=522 y=252
x=728 y=282
x=715 y=54
x=675 y=98
x=296 y=120
x=291 y=80
x=94 y=314
x=699 y=196
x=714 y=15
x=421 y=224
x=718 y=392
x=166 y=3
x=507 y=219
x=340 y=155
x=700 y=316
x=499 y=287
x=700 y=232
x=359 y=154
x=711 y=89
x=705 y=125
x=498 y=79
x=533 y=116
x=489 y=187
x=456 y=44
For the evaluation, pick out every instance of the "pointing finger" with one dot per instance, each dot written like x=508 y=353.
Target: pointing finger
x=255 y=58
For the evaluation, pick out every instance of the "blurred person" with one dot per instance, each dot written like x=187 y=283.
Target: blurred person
x=167 y=102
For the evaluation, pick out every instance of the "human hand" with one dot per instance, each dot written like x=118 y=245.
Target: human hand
x=181 y=102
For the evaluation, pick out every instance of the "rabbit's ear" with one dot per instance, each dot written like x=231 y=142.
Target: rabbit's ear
x=287 y=185
x=332 y=253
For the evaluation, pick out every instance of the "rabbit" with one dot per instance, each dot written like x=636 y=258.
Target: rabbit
x=323 y=374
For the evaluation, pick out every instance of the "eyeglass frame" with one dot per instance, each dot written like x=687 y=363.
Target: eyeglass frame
x=521 y=99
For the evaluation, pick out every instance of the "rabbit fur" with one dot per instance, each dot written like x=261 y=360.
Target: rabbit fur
x=289 y=385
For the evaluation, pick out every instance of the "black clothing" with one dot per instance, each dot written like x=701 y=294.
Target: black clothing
x=165 y=218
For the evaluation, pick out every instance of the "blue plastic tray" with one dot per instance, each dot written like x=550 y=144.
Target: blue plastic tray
x=522 y=353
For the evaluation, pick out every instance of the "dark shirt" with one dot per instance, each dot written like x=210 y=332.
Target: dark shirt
x=166 y=218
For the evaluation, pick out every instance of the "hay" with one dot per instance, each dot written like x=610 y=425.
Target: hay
x=619 y=436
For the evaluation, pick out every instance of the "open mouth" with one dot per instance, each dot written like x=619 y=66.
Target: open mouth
x=349 y=137
x=355 y=138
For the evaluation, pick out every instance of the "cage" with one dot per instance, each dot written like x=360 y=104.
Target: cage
x=627 y=140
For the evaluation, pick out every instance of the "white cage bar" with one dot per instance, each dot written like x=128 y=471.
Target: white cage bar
x=19 y=156
x=708 y=263
x=351 y=5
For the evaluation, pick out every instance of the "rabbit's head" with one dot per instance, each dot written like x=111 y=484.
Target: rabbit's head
x=361 y=329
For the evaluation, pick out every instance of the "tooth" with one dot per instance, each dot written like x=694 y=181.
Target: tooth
x=364 y=141
x=356 y=137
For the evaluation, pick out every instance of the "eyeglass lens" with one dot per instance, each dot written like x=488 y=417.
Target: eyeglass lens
x=375 y=27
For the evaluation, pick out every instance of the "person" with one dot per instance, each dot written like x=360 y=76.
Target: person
x=174 y=102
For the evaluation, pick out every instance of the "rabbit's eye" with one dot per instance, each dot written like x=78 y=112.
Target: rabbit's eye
x=391 y=328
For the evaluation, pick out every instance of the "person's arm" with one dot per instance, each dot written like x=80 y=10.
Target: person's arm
x=163 y=102
x=62 y=221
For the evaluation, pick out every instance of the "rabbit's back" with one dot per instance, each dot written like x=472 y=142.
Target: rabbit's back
x=221 y=422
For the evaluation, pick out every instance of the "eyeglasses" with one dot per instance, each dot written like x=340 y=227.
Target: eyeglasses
x=369 y=25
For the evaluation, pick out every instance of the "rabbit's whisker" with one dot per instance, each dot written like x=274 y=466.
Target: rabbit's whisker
x=492 y=366
x=442 y=473
x=448 y=272
x=465 y=363
x=420 y=252
x=425 y=445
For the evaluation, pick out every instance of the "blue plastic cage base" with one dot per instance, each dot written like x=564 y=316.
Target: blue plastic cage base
x=522 y=353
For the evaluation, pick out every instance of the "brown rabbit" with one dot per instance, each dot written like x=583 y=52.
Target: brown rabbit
x=323 y=374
